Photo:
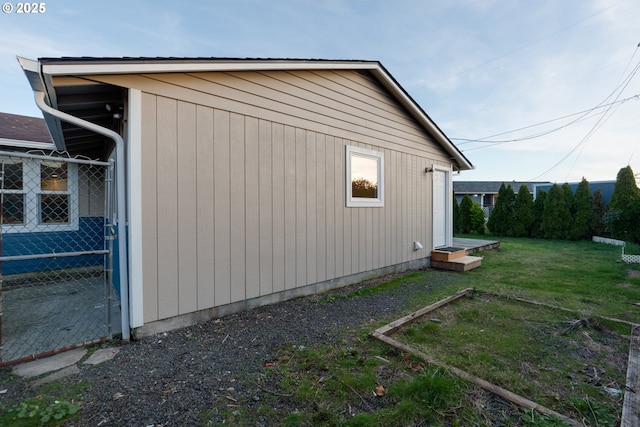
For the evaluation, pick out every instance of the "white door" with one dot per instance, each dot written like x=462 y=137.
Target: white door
x=440 y=208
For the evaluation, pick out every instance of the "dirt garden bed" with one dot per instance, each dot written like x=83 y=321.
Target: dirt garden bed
x=553 y=360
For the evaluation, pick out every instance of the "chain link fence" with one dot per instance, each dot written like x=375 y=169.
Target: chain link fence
x=56 y=287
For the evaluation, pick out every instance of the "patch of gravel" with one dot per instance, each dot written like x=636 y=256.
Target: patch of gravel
x=173 y=378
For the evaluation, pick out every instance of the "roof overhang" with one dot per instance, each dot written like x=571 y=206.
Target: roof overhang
x=86 y=101
x=40 y=73
x=36 y=80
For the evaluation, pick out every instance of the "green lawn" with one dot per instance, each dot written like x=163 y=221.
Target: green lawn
x=583 y=276
x=531 y=349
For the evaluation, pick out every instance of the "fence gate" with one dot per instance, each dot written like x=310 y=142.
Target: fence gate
x=56 y=288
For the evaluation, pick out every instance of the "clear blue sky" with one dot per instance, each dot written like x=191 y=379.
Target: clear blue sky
x=479 y=68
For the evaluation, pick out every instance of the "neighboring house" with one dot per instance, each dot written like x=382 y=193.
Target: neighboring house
x=252 y=181
x=606 y=187
x=46 y=204
x=485 y=193
x=21 y=131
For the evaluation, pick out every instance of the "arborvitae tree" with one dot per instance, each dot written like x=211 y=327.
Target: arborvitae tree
x=624 y=207
x=477 y=218
x=510 y=203
x=523 y=213
x=456 y=215
x=496 y=214
x=583 y=217
x=556 y=218
x=465 y=214
x=598 y=210
x=502 y=214
x=538 y=212
x=569 y=198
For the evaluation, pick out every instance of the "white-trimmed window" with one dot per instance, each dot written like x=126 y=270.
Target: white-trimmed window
x=365 y=177
x=39 y=195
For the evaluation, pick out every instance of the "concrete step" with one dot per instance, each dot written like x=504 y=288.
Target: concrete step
x=464 y=263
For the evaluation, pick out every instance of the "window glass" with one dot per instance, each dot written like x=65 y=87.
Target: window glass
x=12 y=186
x=365 y=177
x=38 y=195
x=53 y=176
x=54 y=208
x=12 y=208
x=12 y=174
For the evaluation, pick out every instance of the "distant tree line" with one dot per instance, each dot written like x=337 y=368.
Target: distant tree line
x=559 y=213
x=362 y=187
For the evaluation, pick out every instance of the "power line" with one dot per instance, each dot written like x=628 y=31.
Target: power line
x=633 y=152
x=600 y=121
x=584 y=116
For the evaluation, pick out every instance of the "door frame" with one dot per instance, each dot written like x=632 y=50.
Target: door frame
x=448 y=206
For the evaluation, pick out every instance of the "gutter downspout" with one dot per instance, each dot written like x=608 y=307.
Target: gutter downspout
x=121 y=208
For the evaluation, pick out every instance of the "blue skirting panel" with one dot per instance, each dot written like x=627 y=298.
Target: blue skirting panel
x=88 y=237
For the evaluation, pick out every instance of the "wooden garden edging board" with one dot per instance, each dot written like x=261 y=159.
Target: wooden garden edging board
x=383 y=332
x=631 y=405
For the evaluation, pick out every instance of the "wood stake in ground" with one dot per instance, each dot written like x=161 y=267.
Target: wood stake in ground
x=631 y=405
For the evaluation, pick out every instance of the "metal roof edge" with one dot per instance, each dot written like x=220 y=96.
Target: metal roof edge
x=33 y=71
x=89 y=66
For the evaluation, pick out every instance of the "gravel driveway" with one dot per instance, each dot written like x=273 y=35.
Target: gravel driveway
x=171 y=378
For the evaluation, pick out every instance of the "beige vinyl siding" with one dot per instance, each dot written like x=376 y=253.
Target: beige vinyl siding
x=290 y=238
x=238 y=185
x=204 y=208
x=252 y=209
x=222 y=212
x=294 y=105
x=278 y=207
x=150 y=202
x=238 y=205
x=339 y=210
x=186 y=204
x=265 y=208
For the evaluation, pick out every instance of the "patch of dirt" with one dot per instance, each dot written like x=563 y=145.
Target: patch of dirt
x=633 y=274
x=624 y=285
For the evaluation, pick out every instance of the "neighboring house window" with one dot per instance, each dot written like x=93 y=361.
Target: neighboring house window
x=39 y=195
x=13 y=192
x=54 y=193
x=365 y=177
